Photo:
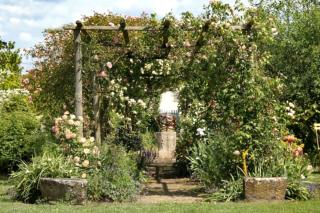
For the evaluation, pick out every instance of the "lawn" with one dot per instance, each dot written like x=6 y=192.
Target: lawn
x=7 y=205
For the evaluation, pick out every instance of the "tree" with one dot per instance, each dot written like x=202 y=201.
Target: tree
x=9 y=66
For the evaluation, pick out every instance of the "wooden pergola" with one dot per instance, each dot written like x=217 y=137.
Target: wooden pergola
x=164 y=30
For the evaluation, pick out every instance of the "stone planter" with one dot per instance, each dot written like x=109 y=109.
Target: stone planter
x=273 y=188
x=67 y=189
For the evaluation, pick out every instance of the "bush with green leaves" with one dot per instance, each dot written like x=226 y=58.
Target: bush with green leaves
x=212 y=160
x=118 y=178
x=231 y=190
x=295 y=60
x=50 y=164
x=297 y=191
x=20 y=133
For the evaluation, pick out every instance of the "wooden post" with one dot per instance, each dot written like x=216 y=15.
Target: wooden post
x=96 y=110
x=78 y=72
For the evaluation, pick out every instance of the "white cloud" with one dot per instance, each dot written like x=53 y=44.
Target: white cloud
x=14 y=9
x=25 y=37
x=2 y=34
x=14 y=20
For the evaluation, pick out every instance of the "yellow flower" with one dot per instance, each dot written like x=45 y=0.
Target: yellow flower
x=85 y=163
x=86 y=151
x=84 y=175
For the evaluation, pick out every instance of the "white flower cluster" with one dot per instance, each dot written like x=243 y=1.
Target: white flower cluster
x=133 y=102
x=290 y=110
x=158 y=67
x=4 y=74
x=5 y=95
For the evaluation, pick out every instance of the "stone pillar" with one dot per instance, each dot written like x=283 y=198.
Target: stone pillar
x=167 y=141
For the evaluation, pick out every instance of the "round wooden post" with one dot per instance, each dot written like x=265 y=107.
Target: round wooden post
x=96 y=109
x=78 y=72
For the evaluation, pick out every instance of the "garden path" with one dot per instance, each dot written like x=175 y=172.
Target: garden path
x=180 y=190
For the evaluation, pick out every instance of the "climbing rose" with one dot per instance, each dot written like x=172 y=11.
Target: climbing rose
x=84 y=176
x=86 y=151
x=109 y=65
x=85 y=163
x=76 y=159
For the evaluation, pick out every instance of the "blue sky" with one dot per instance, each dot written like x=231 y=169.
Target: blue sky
x=23 y=21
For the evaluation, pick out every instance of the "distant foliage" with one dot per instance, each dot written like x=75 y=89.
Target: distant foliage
x=9 y=66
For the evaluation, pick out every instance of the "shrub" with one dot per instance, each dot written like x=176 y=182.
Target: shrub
x=83 y=151
x=129 y=139
x=212 y=161
x=230 y=191
x=20 y=138
x=118 y=177
x=296 y=191
x=50 y=164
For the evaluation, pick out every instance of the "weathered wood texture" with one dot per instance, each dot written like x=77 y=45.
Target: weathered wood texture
x=78 y=75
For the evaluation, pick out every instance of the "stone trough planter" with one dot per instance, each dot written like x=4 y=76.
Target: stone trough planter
x=257 y=189
x=66 y=189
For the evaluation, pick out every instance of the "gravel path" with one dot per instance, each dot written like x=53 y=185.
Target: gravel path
x=181 y=190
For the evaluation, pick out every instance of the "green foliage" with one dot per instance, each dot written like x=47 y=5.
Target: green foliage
x=20 y=134
x=16 y=103
x=118 y=177
x=230 y=191
x=295 y=60
x=234 y=84
x=283 y=162
x=129 y=139
x=212 y=161
x=50 y=164
x=9 y=66
x=296 y=191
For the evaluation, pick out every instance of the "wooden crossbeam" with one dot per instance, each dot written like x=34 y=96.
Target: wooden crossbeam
x=123 y=27
x=112 y=28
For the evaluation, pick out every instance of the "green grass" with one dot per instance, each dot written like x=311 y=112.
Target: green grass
x=7 y=205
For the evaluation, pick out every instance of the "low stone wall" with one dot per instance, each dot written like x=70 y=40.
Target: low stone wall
x=256 y=189
x=67 y=189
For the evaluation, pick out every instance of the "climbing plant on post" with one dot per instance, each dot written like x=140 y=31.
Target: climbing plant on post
x=78 y=73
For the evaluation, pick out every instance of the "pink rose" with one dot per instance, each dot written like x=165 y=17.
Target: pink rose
x=55 y=130
x=102 y=74
x=109 y=65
